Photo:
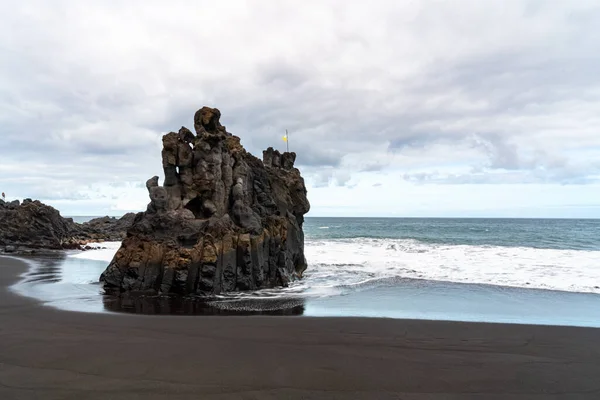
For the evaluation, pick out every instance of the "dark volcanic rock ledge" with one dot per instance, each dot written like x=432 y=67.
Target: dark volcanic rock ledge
x=33 y=226
x=110 y=229
x=222 y=221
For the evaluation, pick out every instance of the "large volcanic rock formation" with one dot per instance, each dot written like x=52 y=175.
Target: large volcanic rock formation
x=222 y=221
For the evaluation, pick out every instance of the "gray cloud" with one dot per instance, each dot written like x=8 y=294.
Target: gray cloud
x=569 y=176
x=506 y=91
x=375 y=166
x=500 y=153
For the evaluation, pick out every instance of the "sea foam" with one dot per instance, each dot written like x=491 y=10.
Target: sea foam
x=104 y=251
x=339 y=265
x=360 y=260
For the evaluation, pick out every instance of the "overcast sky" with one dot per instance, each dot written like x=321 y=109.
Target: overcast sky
x=395 y=108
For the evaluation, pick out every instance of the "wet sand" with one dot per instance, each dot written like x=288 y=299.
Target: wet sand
x=51 y=354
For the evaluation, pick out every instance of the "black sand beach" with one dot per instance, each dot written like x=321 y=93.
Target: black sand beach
x=51 y=354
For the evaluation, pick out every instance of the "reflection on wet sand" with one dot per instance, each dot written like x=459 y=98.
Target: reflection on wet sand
x=49 y=268
x=165 y=305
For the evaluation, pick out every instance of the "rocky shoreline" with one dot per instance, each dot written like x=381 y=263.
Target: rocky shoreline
x=32 y=227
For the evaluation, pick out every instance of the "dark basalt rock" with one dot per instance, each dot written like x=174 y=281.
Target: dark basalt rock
x=222 y=221
x=110 y=229
x=33 y=225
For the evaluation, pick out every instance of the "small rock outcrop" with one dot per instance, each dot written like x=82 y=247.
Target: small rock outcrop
x=32 y=226
x=222 y=221
x=107 y=228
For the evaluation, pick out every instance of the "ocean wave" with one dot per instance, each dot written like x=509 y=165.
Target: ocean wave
x=337 y=266
x=103 y=251
x=352 y=261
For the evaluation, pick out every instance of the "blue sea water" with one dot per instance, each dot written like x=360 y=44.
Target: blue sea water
x=562 y=234
x=543 y=271
x=80 y=219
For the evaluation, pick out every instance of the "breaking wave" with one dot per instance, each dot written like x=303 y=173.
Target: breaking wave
x=337 y=266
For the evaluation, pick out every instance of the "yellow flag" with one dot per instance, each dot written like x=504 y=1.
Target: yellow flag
x=285 y=138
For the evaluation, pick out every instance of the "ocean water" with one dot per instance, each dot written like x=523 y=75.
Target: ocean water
x=494 y=270
x=532 y=253
x=80 y=219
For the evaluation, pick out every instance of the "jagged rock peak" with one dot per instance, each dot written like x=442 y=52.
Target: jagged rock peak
x=223 y=220
x=207 y=119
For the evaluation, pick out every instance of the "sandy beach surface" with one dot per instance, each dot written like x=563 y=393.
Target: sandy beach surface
x=51 y=354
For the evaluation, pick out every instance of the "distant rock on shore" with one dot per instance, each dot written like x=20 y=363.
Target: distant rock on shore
x=222 y=221
x=33 y=226
x=108 y=229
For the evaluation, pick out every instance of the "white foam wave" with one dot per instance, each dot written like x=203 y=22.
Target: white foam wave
x=356 y=261
x=335 y=264
x=104 y=251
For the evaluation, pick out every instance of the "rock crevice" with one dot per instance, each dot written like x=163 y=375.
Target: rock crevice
x=222 y=221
